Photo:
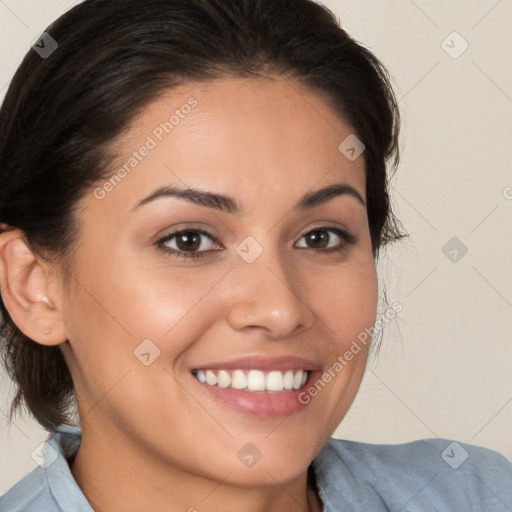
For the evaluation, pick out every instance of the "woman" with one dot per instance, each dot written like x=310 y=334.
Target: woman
x=194 y=196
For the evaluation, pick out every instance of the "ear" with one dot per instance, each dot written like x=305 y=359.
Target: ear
x=26 y=291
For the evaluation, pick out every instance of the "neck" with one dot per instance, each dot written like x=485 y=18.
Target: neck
x=114 y=476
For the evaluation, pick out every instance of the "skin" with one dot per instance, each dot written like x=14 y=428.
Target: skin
x=153 y=439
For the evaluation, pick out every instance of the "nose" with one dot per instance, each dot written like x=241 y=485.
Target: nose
x=266 y=295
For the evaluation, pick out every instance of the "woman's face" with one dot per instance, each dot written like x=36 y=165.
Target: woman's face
x=275 y=289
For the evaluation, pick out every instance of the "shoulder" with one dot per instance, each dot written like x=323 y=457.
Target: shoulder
x=50 y=487
x=30 y=494
x=439 y=473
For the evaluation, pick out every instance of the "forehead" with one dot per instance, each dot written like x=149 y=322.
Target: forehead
x=249 y=138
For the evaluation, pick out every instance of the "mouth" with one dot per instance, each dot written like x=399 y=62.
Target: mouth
x=257 y=386
x=253 y=380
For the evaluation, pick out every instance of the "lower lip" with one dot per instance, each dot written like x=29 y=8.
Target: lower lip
x=259 y=403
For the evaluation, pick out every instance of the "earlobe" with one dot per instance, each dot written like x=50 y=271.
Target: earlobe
x=25 y=291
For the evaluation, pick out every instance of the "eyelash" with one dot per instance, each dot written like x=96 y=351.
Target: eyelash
x=347 y=240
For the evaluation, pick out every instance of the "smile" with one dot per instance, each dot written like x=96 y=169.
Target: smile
x=254 y=380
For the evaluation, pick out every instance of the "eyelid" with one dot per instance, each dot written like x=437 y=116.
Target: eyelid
x=170 y=232
x=174 y=234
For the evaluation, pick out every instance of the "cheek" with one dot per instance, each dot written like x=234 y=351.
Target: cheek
x=127 y=298
x=347 y=304
x=114 y=322
x=346 y=301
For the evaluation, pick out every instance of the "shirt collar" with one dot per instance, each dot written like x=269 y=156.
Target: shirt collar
x=63 y=443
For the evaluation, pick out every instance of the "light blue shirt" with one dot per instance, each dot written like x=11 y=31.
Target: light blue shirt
x=430 y=475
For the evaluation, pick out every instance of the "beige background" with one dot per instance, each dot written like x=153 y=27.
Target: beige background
x=445 y=368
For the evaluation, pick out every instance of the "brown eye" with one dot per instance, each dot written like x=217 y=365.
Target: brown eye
x=318 y=239
x=186 y=243
x=189 y=240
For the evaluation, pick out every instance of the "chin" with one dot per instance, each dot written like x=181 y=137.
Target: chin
x=279 y=467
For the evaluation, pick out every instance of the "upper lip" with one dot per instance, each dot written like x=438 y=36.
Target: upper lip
x=262 y=363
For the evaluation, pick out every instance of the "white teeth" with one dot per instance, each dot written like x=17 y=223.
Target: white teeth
x=254 y=380
x=238 y=380
x=288 y=380
x=275 y=381
x=297 y=381
x=223 y=379
x=211 y=378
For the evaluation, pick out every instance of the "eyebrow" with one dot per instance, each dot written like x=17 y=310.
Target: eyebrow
x=230 y=205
